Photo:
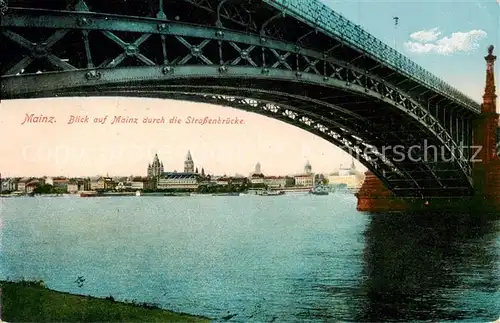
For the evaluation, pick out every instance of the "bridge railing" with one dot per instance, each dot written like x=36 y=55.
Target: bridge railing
x=336 y=24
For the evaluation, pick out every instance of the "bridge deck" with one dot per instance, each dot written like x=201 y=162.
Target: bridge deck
x=303 y=17
x=327 y=20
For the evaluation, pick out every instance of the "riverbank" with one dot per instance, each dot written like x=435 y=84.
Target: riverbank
x=33 y=302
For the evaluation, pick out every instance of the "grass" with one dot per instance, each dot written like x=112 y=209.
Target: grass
x=33 y=302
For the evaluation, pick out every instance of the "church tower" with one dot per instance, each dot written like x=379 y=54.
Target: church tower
x=188 y=163
x=308 y=168
x=156 y=168
x=257 y=169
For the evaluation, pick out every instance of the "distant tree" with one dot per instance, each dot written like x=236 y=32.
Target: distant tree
x=44 y=189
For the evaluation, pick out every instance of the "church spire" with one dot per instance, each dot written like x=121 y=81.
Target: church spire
x=489 y=97
x=188 y=163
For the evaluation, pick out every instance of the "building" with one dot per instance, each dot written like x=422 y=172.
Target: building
x=279 y=181
x=8 y=184
x=32 y=184
x=304 y=180
x=60 y=183
x=101 y=183
x=307 y=178
x=136 y=183
x=155 y=170
x=73 y=187
x=174 y=180
x=348 y=176
x=220 y=180
x=257 y=178
x=189 y=164
x=21 y=184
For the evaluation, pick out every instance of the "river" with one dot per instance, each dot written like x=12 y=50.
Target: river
x=287 y=258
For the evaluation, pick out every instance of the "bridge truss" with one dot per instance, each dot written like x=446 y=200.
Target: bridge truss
x=249 y=55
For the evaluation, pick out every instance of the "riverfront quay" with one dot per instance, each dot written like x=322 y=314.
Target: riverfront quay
x=33 y=302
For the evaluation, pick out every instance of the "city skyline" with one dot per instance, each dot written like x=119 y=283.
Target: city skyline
x=121 y=149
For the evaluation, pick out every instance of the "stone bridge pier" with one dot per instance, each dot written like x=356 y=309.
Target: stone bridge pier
x=374 y=196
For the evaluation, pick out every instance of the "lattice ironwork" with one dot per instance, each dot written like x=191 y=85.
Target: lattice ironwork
x=3 y=7
x=106 y=51
x=321 y=16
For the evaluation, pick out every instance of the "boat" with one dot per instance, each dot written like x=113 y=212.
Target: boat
x=116 y=194
x=226 y=194
x=88 y=194
x=177 y=194
x=318 y=190
x=270 y=193
x=138 y=193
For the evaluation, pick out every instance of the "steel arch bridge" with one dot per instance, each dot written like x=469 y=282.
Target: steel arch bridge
x=293 y=60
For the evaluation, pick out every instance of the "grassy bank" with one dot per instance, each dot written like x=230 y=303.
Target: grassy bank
x=33 y=302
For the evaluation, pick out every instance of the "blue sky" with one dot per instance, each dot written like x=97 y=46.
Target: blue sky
x=457 y=34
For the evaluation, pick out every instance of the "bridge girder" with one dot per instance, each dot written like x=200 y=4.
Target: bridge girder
x=206 y=60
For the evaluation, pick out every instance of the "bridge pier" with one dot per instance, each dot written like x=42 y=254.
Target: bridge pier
x=486 y=171
x=373 y=196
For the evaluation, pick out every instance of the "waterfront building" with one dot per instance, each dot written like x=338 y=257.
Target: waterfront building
x=227 y=180
x=60 y=183
x=100 y=183
x=305 y=179
x=238 y=180
x=346 y=175
x=188 y=163
x=73 y=187
x=21 y=184
x=221 y=180
x=119 y=179
x=174 y=180
x=32 y=184
x=8 y=184
x=257 y=178
x=155 y=170
x=279 y=181
x=135 y=183
x=78 y=184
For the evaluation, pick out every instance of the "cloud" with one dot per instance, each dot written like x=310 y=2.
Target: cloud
x=425 y=36
x=426 y=41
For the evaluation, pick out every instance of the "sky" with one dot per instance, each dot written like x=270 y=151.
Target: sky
x=449 y=38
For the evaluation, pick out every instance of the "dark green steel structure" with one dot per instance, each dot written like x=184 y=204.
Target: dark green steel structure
x=297 y=61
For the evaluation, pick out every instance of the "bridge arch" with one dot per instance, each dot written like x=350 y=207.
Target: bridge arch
x=211 y=64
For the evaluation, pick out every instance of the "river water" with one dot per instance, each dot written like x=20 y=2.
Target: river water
x=258 y=259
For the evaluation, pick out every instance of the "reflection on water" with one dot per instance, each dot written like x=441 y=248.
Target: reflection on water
x=259 y=259
x=430 y=267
